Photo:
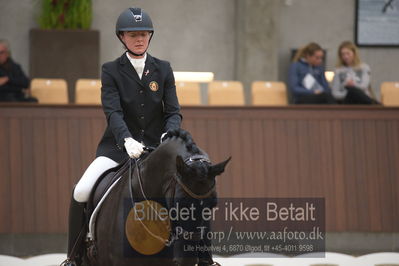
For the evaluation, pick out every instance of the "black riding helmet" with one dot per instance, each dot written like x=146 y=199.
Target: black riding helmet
x=133 y=19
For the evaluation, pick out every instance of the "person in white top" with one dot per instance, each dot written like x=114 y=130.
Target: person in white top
x=351 y=83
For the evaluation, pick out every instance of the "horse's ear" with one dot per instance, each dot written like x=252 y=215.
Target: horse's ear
x=180 y=164
x=217 y=169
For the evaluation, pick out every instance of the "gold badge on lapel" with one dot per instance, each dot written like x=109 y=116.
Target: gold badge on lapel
x=154 y=86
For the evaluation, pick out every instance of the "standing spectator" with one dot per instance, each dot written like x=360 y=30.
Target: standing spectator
x=306 y=80
x=351 y=84
x=14 y=83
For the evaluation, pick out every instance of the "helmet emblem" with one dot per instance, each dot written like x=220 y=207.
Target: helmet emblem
x=138 y=17
x=137 y=14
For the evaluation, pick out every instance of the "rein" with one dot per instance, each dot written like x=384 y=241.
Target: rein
x=202 y=158
x=166 y=242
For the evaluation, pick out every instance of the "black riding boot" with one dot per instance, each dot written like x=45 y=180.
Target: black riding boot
x=76 y=233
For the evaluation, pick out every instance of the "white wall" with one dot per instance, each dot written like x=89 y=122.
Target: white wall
x=193 y=35
x=16 y=19
x=202 y=35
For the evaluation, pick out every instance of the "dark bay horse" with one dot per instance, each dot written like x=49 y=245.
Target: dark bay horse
x=181 y=174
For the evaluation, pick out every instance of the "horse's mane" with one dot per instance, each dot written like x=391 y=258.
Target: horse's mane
x=186 y=137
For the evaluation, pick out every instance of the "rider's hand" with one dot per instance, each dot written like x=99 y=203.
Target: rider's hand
x=133 y=148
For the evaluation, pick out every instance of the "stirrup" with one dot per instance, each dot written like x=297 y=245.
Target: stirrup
x=68 y=262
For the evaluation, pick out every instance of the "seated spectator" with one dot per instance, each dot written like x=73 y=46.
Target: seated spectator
x=306 y=80
x=13 y=81
x=351 y=84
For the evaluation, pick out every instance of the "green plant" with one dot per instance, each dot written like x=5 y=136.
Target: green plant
x=66 y=14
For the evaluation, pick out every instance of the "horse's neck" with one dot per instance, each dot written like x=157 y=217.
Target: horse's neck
x=156 y=172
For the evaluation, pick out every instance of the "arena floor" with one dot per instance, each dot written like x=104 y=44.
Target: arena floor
x=259 y=259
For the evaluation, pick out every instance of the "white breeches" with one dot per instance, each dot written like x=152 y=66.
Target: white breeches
x=90 y=176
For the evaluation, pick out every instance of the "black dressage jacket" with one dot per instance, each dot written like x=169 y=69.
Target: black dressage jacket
x=141 y=109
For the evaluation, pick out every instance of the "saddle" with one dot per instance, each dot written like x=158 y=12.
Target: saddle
x=104 y=182
x=103 y=185
x=108 y=178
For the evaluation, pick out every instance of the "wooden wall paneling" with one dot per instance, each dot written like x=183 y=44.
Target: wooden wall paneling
x=240 y=175
x=5 y=177
x=224 y=140
x=258 y=161
x=340 y=197
x=98 y=127
x=348 y=156
x=75 y=142
x=327 y=174
x=362 y=151
x=385 y=185
x=293 y=179
x=28 y=203
x=371 y=170
x=198 y=131
x=17 y=217
x=232 y=184
x=316 y=153
x=64 y=172
x=212 y=139
x=270 y=165
x=52 y=178
x=353 y=182
x=390 y=176
x=87 y=149
x=189 y=126
x=280 y=152
x=303 y=158
x=394 y=167
x=349 y=173
x=41 y=164
x=246 y=177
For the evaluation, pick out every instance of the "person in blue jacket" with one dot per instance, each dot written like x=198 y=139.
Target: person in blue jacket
x=306 y=80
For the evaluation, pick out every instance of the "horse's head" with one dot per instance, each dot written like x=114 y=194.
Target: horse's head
x=197 y=174
x=194 y=171
x=194 y=191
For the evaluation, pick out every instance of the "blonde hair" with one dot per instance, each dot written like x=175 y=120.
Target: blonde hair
x=348 y=45
x=307 y=50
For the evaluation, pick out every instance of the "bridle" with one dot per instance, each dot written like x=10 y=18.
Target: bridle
x=188 y=161
x=176 y=178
